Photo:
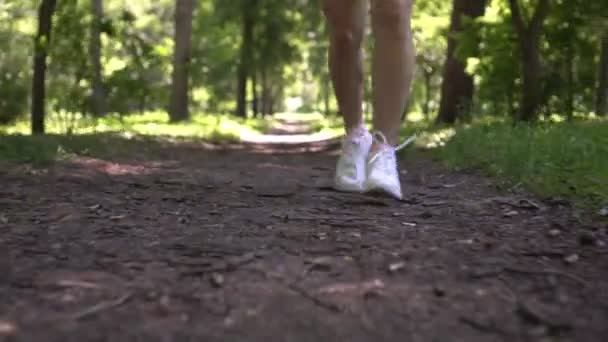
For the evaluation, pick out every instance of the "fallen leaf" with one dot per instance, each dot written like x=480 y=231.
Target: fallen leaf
x=7 y=328
x=361 y=288
x=321 y=236
x=572 y=258
x=322 y=263
x=397 y=266
x=217 y=279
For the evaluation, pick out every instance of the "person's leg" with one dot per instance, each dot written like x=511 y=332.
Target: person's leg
x=393 y=66
x=346 y=21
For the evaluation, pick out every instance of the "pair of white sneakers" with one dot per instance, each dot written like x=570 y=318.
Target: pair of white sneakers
x=358 y=170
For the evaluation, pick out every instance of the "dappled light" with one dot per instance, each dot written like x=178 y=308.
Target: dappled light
x=109 y=168
x=7 y=328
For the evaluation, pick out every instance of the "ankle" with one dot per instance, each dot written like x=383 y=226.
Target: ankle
x=358 y=130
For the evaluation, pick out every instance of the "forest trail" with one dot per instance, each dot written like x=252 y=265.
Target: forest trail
x=252 y=244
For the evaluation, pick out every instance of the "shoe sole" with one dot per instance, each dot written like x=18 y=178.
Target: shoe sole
x=347 y=188
x=380 y=190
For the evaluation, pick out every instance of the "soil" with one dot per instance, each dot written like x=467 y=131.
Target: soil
x=250 y=243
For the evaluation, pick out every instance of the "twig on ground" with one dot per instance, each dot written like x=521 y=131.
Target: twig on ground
x=483 y=327
x=328 y=218
x=511 y=269
x=97 y=308
x=295 y=288
x=547 y=272
x=224 y=266
x=535 y=315
x=326 y=305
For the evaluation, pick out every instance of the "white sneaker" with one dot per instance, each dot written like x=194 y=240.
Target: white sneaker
x=350 y=168
x=382 y=174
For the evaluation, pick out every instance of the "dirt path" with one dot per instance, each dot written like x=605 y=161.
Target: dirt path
x=241 y=245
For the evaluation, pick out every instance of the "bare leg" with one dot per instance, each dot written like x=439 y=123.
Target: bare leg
x=393 y=64
x=347 y=20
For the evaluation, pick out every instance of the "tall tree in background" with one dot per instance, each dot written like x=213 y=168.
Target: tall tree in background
x=457 y=87
x=178 y=105
x=98 y=95
x=601 y=106
x=528 y=36
x=246 y=54
x=41 y=46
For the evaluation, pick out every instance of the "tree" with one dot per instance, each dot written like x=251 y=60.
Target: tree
x=246 y=54
x=178 y=105
x=601 y=106
x=457 y=86
x=41 y=45
x=97 y=96
x=528 y=36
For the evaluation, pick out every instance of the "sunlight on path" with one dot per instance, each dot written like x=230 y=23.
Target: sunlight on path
x=288 y=131
x=286 y=139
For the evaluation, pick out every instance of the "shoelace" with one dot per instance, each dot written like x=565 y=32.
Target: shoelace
x=379 y=137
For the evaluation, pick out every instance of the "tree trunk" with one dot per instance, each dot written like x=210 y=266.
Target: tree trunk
x=601 y=105
x=243 y=72
x=254 y=90
x=326 y=95
x=427 y=95
x=178 y=105
x=41 y=47
x=98 y=96
x=569 y=96
x=531 y=79
x=529 y=36
x=457 y=87
x=265 y=93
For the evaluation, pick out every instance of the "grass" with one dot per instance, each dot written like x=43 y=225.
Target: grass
x=42 y=150
x=69 y=135
x=564 y=159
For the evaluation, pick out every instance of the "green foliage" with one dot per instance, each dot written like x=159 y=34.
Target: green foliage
x=202 y=126
x=14 y=73
x=68 y=63
x=570 y=52
x=564 y=159
x=289 y=49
